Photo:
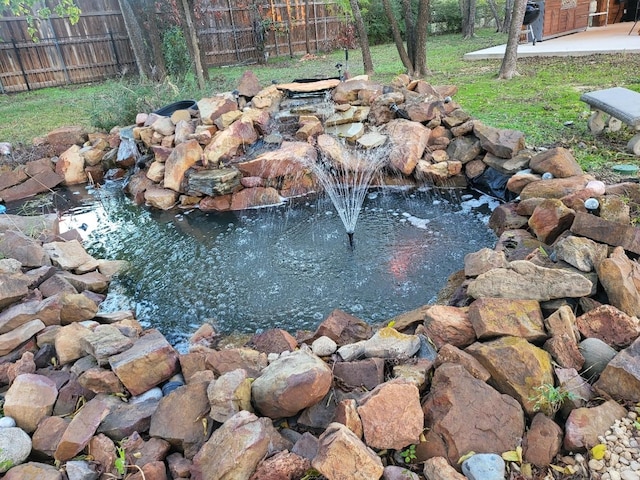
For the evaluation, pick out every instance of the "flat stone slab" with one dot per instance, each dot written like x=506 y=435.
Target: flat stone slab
x=619 y=102
x=306 y=87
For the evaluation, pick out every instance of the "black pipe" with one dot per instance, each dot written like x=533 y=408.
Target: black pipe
x=350 y=236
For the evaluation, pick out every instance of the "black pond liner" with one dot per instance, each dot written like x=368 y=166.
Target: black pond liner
x=167 y=110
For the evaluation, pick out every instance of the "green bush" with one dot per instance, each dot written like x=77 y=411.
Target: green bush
x=175 y=52
x=119 y=101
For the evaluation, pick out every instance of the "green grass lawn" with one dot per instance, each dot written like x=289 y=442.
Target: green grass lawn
x=543 y=101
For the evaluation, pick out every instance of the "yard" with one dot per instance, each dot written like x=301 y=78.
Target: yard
x=543 y=101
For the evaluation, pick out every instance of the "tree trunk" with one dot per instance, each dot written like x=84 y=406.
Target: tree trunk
x=409 y=31
x=468 y=11
x=135 y=38
x=496 y=17
x=287 y=19
x=158 y=69
x=422 y=23
x=508 y=67
x=397 y=38
x=191 y=37
x=508 y=9
x=362 y=34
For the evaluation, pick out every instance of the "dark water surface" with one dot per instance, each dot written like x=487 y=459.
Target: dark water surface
x=287 y=266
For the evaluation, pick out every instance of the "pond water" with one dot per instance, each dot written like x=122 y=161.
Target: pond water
x=286 y=266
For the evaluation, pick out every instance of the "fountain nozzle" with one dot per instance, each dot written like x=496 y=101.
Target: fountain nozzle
x=350 y=237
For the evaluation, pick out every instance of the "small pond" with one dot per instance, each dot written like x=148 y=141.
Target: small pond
x=286 y=266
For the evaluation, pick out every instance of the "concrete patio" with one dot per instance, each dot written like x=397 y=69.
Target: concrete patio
x=613 y=38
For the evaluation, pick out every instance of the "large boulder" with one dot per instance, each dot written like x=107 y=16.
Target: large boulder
x=620 y=278
x=464 y=414
x=290 y=384
x=183 y=157
x=621 y=377
x=30 y=399
x=409 y=139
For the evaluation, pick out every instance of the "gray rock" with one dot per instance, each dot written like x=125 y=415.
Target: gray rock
x=352 y=351
x=15 y=447
x=484 y=466
x=597 y=354
x=393 y=472
x=7 y=422
x=219 y=181
x=323 y=346
x=81 y=470
x=389 y=343
x=580 y=252
x=229 y=394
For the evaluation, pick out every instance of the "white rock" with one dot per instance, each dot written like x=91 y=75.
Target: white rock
x=629 y=475
x=323 y=346
x=15 y=447
x=7 y=422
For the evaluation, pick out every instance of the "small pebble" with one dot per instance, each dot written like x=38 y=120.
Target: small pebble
x=7 y=422
x=629 y=475
x=596 y=465
x=614 y=475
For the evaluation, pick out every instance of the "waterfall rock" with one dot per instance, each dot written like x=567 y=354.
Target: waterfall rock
x=482 y=261
x=229 y=394
x=495 y=317
x=381 y=404
x=500 y=142
x=15 y=447
x=274 y=340
x=229 y=359
x=291 y=159
x=524 y=280
x=211 y=108
x=290 y=384
x=226 y=144
x=30 y=399
x=389 y=343
x=183 y=157
x=558 y=161
x=32 y=470
x=585 y=425
x=338 y=442
x=465 y=414
x=508 y=166
x=409 y=139
x=464 y=149
x=610 y=325
x=255 y=197
x=214 y=182
x=350 y=90
x=621 y=377
x=70 y=166
x=516 y=366
x=236 y=448
x=267 y=97
x=484 y=466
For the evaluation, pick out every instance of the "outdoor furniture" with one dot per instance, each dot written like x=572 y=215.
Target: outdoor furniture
x=611 y=107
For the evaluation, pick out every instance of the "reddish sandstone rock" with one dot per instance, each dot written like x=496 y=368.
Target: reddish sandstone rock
x=585 y=425
x=70 y=166
x=500 y=142
x=620 y=278
x=382 y=403
x=555 y=187
x=229 y=359
x=451 y=354
x=150 y=361
x=227 y=143
x=610 y=325
x=179 y=161
x=409 y=140
x=30 y=399
x=494 y=317
x=274 y=340
x=516 y=366
x=464 y=414
x=337 y=443
x=449 y=325
x=343 y=328
x=542 y=441
x=211 y=108
x=621 y=377
x=438 y=468
x=347 y=414
x=482 y=261
x=605 y=231
x=282 y=466
x=62 y=138
x=291 y=384
x=549 y=219
x=366 y=373
x=255 y=197
x=48 y=435
x=564 y=350
x=558 y=161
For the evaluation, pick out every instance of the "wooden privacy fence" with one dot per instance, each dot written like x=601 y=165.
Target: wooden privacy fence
x=231 y=32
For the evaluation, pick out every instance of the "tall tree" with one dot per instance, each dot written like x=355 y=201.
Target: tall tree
x=362 y=35
x=33 y=11
x=508 y=67
x=193 y=43
x=468 y=11
x=414 y=58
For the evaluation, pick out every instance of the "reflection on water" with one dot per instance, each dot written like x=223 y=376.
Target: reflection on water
x=286 y=266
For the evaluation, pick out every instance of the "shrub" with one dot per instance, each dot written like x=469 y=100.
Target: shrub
x=175 y=52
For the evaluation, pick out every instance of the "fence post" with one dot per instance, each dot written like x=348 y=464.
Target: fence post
x=115 y=51
x=233 y=27
x=24 y=74
x=59 y=51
